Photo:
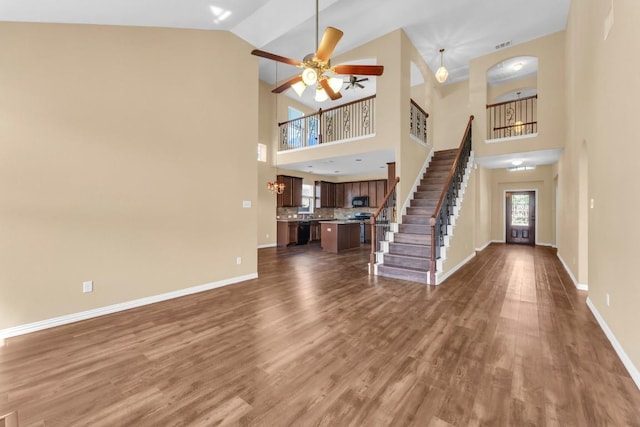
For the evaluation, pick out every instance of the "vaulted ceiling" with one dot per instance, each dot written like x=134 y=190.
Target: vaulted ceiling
x=465 y=28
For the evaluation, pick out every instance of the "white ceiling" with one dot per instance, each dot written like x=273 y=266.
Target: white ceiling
x=465 y=28
x=371 y=162
x=529 y=158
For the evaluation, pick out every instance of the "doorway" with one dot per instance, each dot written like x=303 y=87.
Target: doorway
x=521 y=217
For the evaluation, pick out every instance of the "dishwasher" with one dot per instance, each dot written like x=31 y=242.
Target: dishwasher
x=304 y=228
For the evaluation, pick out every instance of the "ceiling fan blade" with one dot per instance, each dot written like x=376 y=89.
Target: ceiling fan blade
x=330 y=39
x=274 y=57
x=367 y=70
x=286 y=85
x=325 y=85
x=360 y=86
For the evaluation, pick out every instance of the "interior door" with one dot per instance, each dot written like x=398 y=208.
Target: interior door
x=521 y=217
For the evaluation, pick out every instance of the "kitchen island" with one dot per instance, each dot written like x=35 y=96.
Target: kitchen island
x=336 y=236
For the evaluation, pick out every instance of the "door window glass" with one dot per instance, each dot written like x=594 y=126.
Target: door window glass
x=520 y=210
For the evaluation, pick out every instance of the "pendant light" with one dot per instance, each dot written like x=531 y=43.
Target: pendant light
x=442 y=73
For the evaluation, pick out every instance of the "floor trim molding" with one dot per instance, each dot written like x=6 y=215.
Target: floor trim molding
x=446 y=275
x=268 y=245
x=633 y=371
x=110 y=309
x=579 y=286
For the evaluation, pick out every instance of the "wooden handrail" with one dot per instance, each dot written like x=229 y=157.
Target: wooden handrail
x=515 y=125
x=374 y=243
x=321 y=111
x=436 y=212
x=415 y=104
x=450 y=176
x=513 y=100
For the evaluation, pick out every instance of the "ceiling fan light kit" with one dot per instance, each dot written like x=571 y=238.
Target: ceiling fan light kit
x=315 y=65
x=441 y=73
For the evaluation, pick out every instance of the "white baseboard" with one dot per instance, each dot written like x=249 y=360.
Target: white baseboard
x=550 y=245
x=485 y=246
x=89 y=314
x=633 y=371
x=268 y=245
x=579 y=286
x=444 y=276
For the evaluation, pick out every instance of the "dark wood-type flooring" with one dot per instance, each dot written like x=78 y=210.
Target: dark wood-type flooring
x=506 y=341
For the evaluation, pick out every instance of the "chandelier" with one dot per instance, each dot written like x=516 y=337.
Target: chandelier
x=442 y=73
x=276 y=187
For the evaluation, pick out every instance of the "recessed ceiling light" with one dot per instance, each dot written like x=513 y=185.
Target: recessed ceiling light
x=358 y=160
x=516 y=162
x=336 y=171
x=310 y=166
x=382 y=167
x=518 y=66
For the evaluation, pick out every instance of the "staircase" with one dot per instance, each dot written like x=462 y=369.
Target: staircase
x=410 y=251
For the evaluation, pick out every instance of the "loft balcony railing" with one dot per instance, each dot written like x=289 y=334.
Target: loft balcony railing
x=418 y=122
x=512 y=118
x=348 y=121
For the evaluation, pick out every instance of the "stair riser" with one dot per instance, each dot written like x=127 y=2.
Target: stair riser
x=432 y=194
x=415 y=219
x=402 y=261
x=420 y=211
x=415 y=229
x=413 y=239
x=410 y=250
x=393 y=273
x=423 y=203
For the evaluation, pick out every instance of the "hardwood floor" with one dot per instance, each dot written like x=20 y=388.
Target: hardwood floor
x=506 y=341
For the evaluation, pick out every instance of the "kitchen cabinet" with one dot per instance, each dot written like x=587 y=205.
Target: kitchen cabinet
x=292 y=194
x=287 y=233
x=315 y=231
x=381 y=191
x=325 y=194
x=340 y=195
x=372 y=193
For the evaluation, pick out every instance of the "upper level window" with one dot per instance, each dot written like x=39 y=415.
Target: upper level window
x=262 y=152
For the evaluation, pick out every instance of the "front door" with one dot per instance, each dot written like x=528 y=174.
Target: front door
x=521 y=217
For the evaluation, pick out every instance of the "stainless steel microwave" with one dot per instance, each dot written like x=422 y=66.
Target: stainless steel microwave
x=360 y=202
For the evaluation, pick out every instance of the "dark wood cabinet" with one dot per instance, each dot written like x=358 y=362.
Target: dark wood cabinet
x=372 y=193
x=339 y=195
x=381 y=191
x=325 y=194
x=287 y=233
x=292 y=194
x=314 y=231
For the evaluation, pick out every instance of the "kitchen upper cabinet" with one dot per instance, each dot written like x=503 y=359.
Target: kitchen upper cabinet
x=364 y=189
x=339 y=195
x=372 y=193
x=325 y=194
x=292 y=194
x=381 y=190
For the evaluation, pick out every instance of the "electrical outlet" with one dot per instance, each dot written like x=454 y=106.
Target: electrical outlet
x=87 y=286
x=246 y=204
x=608 y=300
x=267 y=235
x=239 y=260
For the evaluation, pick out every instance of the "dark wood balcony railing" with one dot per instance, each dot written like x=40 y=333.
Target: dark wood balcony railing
x=441 y=218
x=418 y=121
x=381 y=222
x=352 y=120
x=512 y=118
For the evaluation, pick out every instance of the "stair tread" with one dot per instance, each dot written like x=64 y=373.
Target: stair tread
x=411 y=257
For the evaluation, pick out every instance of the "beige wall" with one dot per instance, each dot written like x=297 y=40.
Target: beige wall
x=267 y=135
x=483 y=214
x=462 y=242
x=602 y=89
x=495 y=92
x=451 y=115
x=550 y=52
x=126 y=154
x=540 y=180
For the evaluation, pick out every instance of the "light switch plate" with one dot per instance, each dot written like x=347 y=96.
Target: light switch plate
x=246 y=203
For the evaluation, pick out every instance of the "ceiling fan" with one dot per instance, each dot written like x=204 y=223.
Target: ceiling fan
x=317 y=68
x=354 y=82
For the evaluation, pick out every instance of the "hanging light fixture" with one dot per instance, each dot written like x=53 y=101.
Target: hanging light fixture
x=276 y=187
x=442 y=73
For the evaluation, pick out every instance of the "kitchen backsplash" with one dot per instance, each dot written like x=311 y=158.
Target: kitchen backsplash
x=337 y=213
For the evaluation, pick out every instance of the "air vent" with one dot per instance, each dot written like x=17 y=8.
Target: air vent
x=503 y=45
